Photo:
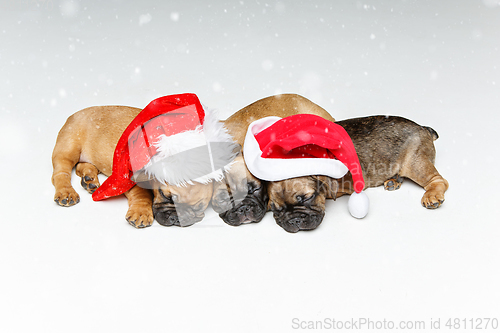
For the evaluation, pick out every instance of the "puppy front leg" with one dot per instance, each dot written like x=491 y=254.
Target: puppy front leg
x=140 y=203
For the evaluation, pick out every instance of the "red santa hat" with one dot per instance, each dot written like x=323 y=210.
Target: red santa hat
x=172 y=141
x=302 y=145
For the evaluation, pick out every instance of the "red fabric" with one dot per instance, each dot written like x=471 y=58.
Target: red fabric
x=138 y=138
x=141 y=140
x=310 y=136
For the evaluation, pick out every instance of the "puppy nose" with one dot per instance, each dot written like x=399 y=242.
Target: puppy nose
x=186 y=213
x=188 y=217
x=167 y=220
x=296 y=221
x=244 y=209
x=173 y=219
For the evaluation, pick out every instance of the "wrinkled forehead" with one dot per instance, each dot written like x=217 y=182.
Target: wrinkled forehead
x=237 y=176
x=189 y=192
x=240 y=171
x=300 y=186
x=238 y=167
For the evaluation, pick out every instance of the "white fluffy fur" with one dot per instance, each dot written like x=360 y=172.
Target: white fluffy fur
x=358 y=204
x=174 y=171
x=274 y=169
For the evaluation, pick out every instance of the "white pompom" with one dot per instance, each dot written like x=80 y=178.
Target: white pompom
x=358 y=205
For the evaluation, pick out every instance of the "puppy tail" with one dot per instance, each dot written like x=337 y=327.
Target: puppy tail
x=434 y=134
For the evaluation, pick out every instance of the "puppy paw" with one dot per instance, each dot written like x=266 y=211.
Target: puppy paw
x=90 y=183
x=393 y=184
x=432 y=199
x=140 y=217
x=88 y=172
x=66 y=197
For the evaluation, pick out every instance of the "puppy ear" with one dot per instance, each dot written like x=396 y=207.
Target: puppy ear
x=237 y=149
x=275 y=193
x=140 y=176
x=143 y=180
x=328 y=186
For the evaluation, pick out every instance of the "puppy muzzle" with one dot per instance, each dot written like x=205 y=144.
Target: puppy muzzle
x=299 y=220
x=248 y=211
x=179 y=216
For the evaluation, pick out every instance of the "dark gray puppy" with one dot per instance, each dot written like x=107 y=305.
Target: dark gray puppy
x=389 y=149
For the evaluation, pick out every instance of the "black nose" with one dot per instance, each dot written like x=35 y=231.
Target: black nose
x=299 y=221
x=306 y=221
x=166 y=218
x=244 y=209
x=173 y=219
x=296 y=222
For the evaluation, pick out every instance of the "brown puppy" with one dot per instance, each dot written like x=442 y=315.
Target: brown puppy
x=181 y=205
x=88 y=140
x=389 y=148
x=242 y=198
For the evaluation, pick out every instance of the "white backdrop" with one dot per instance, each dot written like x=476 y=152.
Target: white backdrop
x=84 y=269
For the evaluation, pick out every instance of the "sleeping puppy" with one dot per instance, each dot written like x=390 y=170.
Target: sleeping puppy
x=88 y=140
x=181 y=205
x=299 y=203
x=241 y=197
x=389 y=149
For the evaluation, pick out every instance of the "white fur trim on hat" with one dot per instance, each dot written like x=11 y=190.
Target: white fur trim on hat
x=358 y=204
x=178 y=162
x=274 y=169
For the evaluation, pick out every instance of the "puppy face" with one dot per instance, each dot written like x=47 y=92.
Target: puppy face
x=240 y=198
x=181 y=205
x=299 y=203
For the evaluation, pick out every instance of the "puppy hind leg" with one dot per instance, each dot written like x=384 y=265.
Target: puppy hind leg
x=424 y=173
x=434 y=192
x=88 y=172
x=64 y=159
x=140 y=212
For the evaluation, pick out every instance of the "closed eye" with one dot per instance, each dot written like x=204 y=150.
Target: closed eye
x=302 y=199
x=168 y=198
x=222 y=196
x=252 y=187
x=199 y=205
x=312 y=197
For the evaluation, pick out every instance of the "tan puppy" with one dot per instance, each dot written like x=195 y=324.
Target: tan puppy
x=242 y=198
x=389 y=148
x=88 y=140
